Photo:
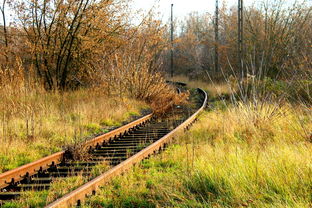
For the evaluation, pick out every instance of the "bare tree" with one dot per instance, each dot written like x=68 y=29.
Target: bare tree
x=65 y=37
x=2 y=10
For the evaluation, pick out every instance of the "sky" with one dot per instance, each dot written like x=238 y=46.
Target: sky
x=184 y=7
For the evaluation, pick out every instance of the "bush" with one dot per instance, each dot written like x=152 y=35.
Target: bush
x=299 y=91
x=302 y=91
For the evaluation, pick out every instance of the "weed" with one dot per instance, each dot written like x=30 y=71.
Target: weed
x=109 y=122
x=35 y=123
x=237 y=157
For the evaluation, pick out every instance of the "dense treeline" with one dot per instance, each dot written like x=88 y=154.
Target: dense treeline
x=277 y=41
x=73 y=68
x=65 y=44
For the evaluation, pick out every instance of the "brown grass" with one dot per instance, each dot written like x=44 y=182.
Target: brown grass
x=35 y=123
x=214 y=89
x=239 y=157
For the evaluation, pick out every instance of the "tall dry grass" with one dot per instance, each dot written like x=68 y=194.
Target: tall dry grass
x=35 y=123
x=136 y=69
x=238 y=157
x=214 y=89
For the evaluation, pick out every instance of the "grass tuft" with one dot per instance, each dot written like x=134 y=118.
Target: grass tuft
x=35 y=123
x=242 y=156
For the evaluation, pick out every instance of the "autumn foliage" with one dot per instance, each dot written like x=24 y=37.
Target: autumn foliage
x=277 y=41
x=69 y=44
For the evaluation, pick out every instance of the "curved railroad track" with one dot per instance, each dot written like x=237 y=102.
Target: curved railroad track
x=120 y=149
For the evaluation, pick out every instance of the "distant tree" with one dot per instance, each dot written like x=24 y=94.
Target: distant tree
x=274 y=33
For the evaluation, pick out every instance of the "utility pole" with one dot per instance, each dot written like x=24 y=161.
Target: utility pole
x=171 y=62
x=240 y=37
x=217 y=37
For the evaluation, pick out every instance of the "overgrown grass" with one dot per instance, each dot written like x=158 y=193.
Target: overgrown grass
x=242 y=156
x=37 y=123
x=59 y=188
x=214 y=89
x=42 y=198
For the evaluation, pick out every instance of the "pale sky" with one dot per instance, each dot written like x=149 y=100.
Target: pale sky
x=184 y=7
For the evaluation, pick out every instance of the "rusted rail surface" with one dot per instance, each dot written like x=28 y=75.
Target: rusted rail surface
x=18 y=174
x=77 y=196
x=116 y=132
x=120 y=148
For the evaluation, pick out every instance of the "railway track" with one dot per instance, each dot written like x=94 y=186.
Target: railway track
x=117 y=150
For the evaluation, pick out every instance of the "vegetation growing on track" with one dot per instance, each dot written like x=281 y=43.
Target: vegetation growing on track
x=255 y=152
x=59 y=188
x=38 y=123
x=240 y=156
x=95 y=74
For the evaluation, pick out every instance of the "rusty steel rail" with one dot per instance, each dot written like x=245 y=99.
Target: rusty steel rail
x=18 y=174
x=77 y=196
x=105 y=137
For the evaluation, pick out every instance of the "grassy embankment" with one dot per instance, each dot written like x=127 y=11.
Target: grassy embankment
x=36 y=123
x=235 y=156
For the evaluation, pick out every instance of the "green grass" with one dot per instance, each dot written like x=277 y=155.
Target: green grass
x=244 y=156
x=40 y=123
x=247 y=155
x=42 y=198
x=59 y=188
x=110 y=122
